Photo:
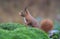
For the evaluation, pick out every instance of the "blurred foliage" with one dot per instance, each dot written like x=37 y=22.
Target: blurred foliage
x=56 y=25
x=18 y=31
x=55 y=36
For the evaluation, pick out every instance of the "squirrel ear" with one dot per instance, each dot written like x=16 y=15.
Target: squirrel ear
x=26 y=10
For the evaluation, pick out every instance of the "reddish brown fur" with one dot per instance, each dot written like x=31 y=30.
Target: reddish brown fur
x=29 y=20
x=46 y=25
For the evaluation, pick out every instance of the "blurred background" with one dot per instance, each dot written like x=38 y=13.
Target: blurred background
x=39 y=9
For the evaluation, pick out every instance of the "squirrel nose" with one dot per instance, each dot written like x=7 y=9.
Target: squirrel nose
x=19 y=13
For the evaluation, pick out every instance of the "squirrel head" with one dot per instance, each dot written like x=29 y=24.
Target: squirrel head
x=24 y=12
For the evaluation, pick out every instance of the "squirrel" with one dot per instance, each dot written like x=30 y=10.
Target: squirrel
x=46 y=24
x=29 y=19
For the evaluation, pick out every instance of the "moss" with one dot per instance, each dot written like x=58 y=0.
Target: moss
x=10 y=26
x=18 y=31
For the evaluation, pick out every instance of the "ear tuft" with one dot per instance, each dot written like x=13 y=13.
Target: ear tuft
x=27 y=11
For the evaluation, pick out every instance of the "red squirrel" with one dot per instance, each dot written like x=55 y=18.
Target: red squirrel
x=28 y=19
x=46 y=25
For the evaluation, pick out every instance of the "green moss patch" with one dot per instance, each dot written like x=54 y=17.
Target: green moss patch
x=18 y=31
